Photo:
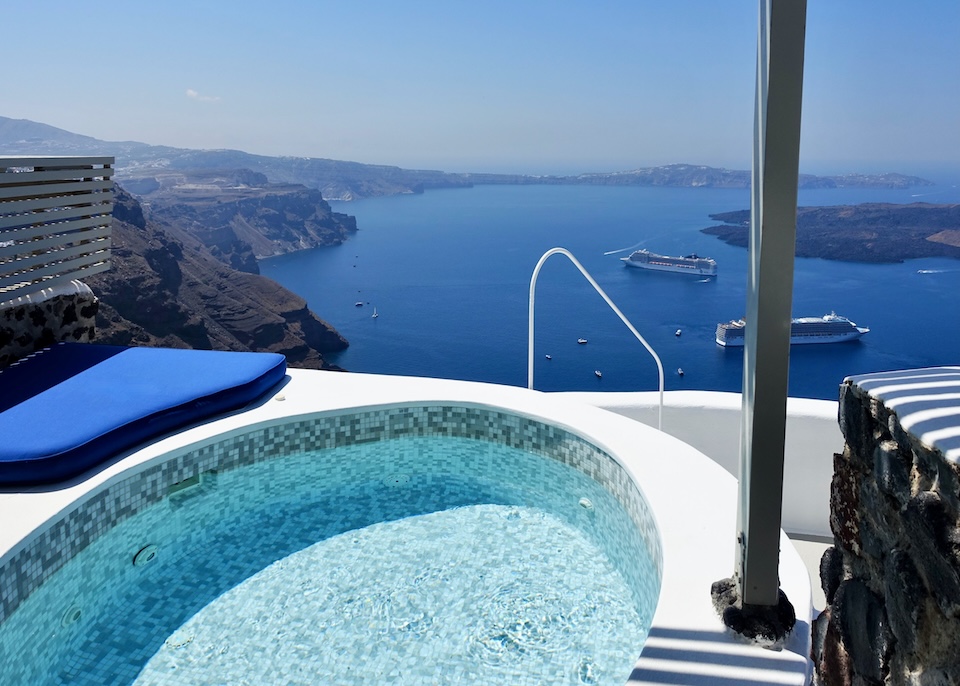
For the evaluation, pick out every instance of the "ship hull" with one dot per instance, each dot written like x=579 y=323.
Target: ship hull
x=738 y=342
x=689 y=264
x=672 y=268
x=830 y=328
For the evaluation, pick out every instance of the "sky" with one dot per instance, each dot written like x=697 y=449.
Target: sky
x=532 y=87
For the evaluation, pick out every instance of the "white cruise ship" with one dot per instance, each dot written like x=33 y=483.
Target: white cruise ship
x=830 y=328
x=689 y=264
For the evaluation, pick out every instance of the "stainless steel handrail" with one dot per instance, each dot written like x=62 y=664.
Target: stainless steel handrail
x=596 y=286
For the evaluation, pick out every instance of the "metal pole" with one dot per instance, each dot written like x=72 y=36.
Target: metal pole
x=769 y=296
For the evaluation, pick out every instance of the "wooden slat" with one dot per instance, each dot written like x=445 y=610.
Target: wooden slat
x=12 y=293
x=17 y=192
x=26 y=263
x=55 y=219
x=75 y=199
x=54 y=241
x=16 y=221
x=65 y=267
x=46 y=176
x=16 y=161
x=29 y=232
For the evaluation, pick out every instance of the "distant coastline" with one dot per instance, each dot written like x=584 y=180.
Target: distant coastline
x=870 y=232
x=699 y=176
x=141 y=164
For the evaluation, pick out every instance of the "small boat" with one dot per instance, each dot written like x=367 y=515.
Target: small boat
x=597 y=372
x=581 y=341
x=679 y=371
x=358 y=304
x=549 y=357
x=375 y=313
x=678 y=332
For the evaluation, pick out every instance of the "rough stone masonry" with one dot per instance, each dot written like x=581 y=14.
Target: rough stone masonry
x=892 y=579
x=31 y=323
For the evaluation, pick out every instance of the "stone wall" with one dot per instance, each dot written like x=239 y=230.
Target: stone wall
x=30 y=323
x=892 y=579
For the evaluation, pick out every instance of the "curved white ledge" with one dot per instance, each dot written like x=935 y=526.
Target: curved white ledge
x=693 y=498
x=710 y=422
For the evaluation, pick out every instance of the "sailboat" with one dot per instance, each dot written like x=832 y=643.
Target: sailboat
x=375 y=313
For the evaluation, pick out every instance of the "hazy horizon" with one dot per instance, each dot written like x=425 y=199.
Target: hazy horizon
x=535 y=88
x=943 y=173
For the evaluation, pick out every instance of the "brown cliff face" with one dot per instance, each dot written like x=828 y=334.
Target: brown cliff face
x=166 y=288
x=239 y=215
x=869 y=232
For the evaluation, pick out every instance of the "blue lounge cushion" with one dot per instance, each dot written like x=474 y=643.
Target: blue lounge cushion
x=73 y=406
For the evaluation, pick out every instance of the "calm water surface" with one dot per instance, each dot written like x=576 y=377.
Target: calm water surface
x=449 y=273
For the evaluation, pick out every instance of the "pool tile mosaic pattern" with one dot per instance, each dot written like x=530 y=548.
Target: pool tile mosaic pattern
x=110 y=509
x=414 y=617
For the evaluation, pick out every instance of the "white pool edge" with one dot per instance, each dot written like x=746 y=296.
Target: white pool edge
x=693 y=498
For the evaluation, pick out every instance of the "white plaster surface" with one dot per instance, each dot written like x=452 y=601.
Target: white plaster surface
x=68 y=288
x=694 y=500
x=811 y=552
x=710 y=422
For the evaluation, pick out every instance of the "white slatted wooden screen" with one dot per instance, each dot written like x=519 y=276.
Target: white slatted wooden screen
x=55 y=217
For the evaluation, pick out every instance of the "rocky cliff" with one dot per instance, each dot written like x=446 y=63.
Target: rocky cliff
x=239 y=215
x=871 y=232
x=166 y=288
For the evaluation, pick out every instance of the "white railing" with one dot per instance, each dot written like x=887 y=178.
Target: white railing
x=55 y=217
x=596 y=286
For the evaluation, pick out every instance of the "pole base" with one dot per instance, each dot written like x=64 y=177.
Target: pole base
x=764 y=625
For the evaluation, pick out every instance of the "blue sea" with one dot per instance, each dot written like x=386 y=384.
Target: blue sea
x=449 y=272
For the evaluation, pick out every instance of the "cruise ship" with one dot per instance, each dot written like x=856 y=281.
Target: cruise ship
x=689 y=264
x=830 y=328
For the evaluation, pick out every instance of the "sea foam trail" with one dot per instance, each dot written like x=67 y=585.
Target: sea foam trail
x=632 y=247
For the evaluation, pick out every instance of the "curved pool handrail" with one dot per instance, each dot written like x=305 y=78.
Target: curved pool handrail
x=596 y=286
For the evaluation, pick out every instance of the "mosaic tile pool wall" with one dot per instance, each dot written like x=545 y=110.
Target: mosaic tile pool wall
x=47 y=552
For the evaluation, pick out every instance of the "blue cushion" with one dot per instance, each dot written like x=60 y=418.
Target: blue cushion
x=73 y=406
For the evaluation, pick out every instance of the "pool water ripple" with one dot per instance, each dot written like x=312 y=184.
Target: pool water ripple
x=413 y=612
x=481 y=567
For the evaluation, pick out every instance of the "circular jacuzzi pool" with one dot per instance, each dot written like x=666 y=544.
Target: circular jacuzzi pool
x=418 y=544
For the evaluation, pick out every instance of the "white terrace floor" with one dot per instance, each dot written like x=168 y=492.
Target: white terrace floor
x=693 y=496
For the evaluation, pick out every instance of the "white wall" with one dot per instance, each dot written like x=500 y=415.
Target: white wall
x=710 y=422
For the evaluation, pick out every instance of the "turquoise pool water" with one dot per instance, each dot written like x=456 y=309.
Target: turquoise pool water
x=408 y=561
